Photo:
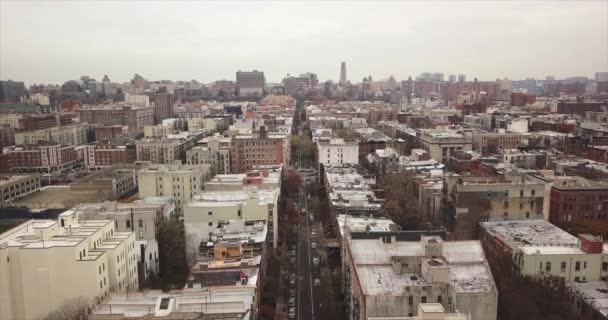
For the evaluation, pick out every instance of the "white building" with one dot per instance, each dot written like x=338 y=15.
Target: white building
x=539 y=249
x=16 y=186
x=232 y=302
x=178 y=181
x=137 y=99
x=338 y=151
x=389 y=277
x=144 y=217
x=207 y=210
x=46 y=263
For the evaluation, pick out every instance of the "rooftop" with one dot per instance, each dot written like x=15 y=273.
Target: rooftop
x=211 y=301
x=10 y=179
x=532 y=236
x=595 y=294
x=468 y=269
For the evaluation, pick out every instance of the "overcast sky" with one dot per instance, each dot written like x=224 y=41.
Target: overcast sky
x=52 y=41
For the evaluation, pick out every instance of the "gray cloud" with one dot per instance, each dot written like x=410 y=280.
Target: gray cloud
x=53 y=41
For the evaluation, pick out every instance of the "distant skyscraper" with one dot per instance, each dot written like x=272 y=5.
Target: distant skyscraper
x=343 y=73
x=163 y=105
x=462 y=78
x=452 y=78
x=250 y=83
x=601 y=76
x=11 y=91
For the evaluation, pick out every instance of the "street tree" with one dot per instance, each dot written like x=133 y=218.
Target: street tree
x=401 y=202
x=293 y=181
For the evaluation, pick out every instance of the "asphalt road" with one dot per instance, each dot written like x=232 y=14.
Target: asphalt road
x=305 y=306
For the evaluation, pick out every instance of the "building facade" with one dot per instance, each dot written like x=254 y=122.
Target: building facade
x=46 y=263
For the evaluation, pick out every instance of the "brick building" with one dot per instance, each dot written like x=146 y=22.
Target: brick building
x=580 y=107
x=98 y=156
x=577 y=199
x=521 y=99
x=109 y=133
x=134 y=118
x=45 y=158
x=163 y=106
x=46 y=121
x=249 y=150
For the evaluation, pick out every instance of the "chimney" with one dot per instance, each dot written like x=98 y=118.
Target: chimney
x=590 y=244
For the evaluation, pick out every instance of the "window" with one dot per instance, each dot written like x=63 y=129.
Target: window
x=211 y=224
x=210 y=213
x=604 y=266
x=439 y=299
x=410 y=300
x=533 y=192
x=62 y=223
x=239 y=213
x=577 y=266
x=548 y=266
x=423 y=299
x=585 y=265
x=128 y=224
x=521 y=193
x=541 y=266
x=527 y=215
x=563 y=266
x=141 y=223
x=506 y=203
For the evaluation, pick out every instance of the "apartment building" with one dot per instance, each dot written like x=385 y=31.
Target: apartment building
x=46 y=263
x=43 y=158
x=495 y=142
x=442 y=144
x=109 y=133
x=250 y=83
x=178 y=181
x=137 y=99
x=338 y=151
x=157 y=131
x=391 y=274
x=136 y=118
x=16 y=186
x=163 y=105
x=7 y=136
x=576 y=199
x=167 y=150
x=232 y=302
x=250 y=150
x=75 y=135
x=101 y=155
x=470 y=199
x=537 y=249
x=208 y=209
x=114 y=182
x=145 y=217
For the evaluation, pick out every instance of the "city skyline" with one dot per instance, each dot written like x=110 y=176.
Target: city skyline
x=487 y=41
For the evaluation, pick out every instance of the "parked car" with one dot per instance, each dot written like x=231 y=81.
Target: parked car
x=292 y=302
x=293 y=252
x=292 y=260
x=292 y=313
x=292 y=283
x=292 y=292
x=317 y=282
x=313 y=233
x=315 y=261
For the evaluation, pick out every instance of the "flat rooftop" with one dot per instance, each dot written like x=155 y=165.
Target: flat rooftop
x=10 y=179
x=468 y=269
x=593 y=293
x=212 y=301
x=537 y=234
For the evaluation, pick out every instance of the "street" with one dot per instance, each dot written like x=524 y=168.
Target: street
x=305 y=299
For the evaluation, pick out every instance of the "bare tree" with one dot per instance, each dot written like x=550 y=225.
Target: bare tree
x=74 y=309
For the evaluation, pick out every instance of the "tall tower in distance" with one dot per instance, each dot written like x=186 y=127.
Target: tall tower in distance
x=343 y=73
